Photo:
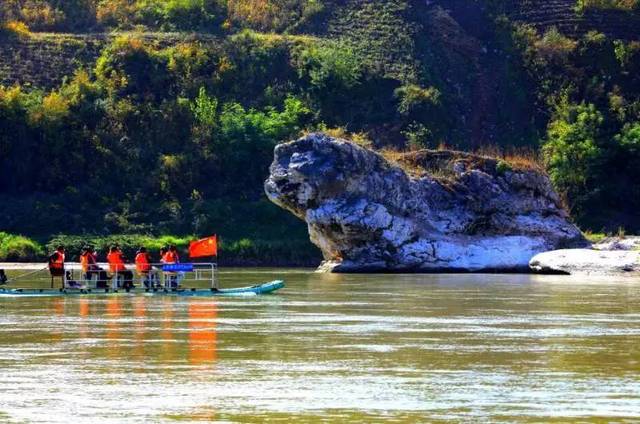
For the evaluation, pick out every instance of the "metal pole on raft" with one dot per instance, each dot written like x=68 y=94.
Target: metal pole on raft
x=214 y=270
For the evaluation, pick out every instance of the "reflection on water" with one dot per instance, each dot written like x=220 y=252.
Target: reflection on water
x=202 y=332
x=343 y=348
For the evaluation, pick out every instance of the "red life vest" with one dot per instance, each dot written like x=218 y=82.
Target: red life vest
x=84 y=261
x=170 y=257
x=57 y=261
x=142 y=262
x=116 y=264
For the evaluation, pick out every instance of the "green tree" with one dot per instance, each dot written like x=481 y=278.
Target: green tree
x=571 y=149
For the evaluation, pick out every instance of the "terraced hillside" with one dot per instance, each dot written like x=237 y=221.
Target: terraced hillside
x=43 y=60
x=544 y=14
x=449 y=44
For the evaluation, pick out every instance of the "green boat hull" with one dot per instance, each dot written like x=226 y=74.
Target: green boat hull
x=263 y=288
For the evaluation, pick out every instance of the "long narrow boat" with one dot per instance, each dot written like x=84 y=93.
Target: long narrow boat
x=162 y=279
x=263 y=288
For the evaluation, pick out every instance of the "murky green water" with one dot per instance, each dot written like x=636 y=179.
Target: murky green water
x=339 y=348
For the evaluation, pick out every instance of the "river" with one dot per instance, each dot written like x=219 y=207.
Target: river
x=340 y=348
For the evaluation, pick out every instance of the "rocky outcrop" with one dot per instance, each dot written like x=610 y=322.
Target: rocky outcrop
x=451 y=212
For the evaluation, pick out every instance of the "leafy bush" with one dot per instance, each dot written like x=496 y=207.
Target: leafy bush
x=202 y=15
x=329 y=67
x=413 y=98
x=571 y=149
x=554 y=46
x=14 y=248
x=128 y=67
x=205 y=109
x=629 y=138
x=53 y=109
x=272 y=15
x=14 y=29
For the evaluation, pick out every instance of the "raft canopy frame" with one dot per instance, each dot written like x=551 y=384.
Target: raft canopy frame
x=160 y=275
x=167 y=279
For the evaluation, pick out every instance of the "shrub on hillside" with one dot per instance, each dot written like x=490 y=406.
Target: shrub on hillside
x=571 y=150
x=194 y=15
x=554 y=46
x=329 y=67
x=128 y=67
x=413 y=98
x=629 y=138
x=15 y=248
x=14 y=29
x=272 y=15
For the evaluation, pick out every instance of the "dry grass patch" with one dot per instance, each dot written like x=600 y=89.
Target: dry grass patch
x=519 y=159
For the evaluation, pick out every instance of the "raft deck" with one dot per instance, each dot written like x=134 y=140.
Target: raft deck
x=263 y=288
x=158 y=280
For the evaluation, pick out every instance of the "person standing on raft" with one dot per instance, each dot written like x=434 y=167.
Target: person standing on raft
x=117 y=267
x=56 y=264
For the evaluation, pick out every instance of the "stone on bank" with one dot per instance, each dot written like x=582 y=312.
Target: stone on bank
x=452 y=212
x=615 y=256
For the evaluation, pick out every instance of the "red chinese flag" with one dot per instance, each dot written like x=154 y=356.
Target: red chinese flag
x=205 y=247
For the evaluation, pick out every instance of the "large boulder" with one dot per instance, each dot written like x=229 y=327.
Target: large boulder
x=588 y=262
x=612 y=256
x=439 y=211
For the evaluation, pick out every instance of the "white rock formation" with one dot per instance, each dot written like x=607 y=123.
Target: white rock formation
x=588 y=262
x=461 y=212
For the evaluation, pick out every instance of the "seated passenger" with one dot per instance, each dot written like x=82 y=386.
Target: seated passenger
x=170 y=256
x=90 y=267
x=118 y=268
x=56 y=264
x=143 y=267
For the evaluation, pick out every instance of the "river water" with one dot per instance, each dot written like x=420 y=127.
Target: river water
x=340 y=348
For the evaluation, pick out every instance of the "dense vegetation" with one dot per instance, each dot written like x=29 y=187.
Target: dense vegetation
x=591 y=88
x=156 y=138
x=166 y=15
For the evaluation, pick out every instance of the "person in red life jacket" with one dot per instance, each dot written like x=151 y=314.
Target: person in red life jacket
x=163 y=251
x=84 y=262
x=118 y=268
x=56 y=264
x=143 y=267
x=90 y=267
x=170 y=256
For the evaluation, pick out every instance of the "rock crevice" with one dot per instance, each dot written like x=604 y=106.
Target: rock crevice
x=453 y=212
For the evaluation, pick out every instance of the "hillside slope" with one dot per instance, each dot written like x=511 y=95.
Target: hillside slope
x=451 y=44
x=154 y=120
